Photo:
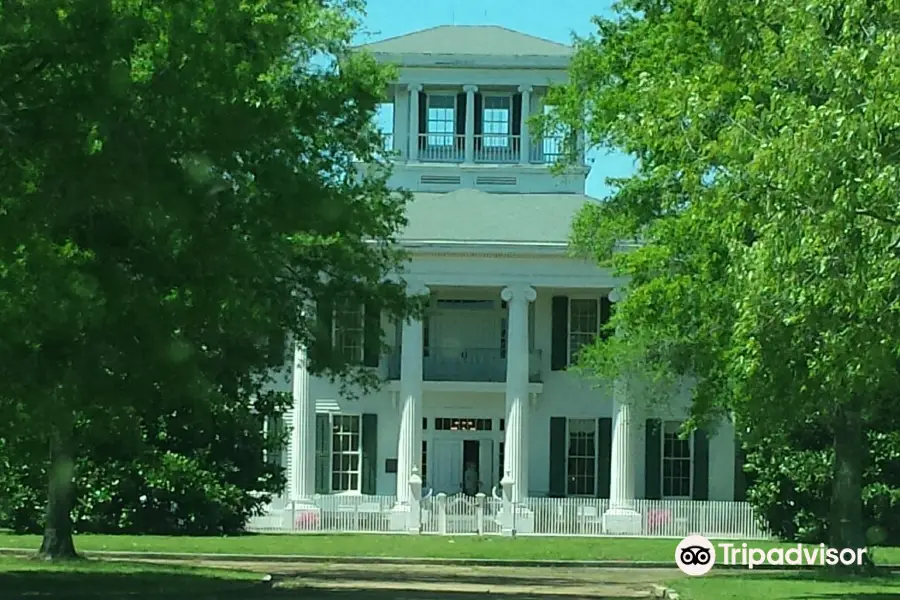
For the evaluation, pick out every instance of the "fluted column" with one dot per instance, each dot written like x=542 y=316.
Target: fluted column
x=303 y=433
x=525 y=135
x=414 y=89
x=516 y=443
x=409 y=447
x=621 y=489
x=622 y=518
x=470 y=122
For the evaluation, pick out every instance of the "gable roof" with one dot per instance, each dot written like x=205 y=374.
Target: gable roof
x=470 y=215
x=479 y=40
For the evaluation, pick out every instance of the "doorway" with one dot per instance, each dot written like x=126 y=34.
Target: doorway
x=452 y=458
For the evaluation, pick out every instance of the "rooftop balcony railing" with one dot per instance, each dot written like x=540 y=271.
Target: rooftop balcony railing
x=497 y=148
x=465 y=364
x=442 y=147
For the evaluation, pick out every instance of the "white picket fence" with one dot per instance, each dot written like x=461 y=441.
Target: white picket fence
x=487 y=515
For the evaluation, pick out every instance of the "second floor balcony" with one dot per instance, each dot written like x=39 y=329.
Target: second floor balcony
x=483 y=365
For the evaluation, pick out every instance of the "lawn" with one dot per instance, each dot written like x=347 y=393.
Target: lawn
x=398 y=546
x=783 y=586
x=21 y=578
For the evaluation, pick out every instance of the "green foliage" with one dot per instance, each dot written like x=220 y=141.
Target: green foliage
x=178 y=185
x=182 y=476
x=765 y=202
x=792 y=478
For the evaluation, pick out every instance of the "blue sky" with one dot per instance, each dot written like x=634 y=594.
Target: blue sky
x=553 y=20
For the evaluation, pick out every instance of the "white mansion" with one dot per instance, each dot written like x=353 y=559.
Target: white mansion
x=477 y=396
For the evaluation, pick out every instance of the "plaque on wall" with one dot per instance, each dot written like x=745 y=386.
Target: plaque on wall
x=390 y=465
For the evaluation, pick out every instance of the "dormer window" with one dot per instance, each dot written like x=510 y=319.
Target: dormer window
x=441 y=120
x=497 y=120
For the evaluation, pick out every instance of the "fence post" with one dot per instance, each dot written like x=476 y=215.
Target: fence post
x=414 y=516
x=479 y=513
x=442 y=513
x=509 y=509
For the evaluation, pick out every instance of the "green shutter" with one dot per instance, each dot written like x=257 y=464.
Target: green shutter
x=321 y=348
x=557 y=457
x=604 y=456
x=653 y=460
x=701 y=466
x=559 y=343
x=740 y=478
x=605 y=314
x=369 y=445
x=372 y=341
x=323 y=453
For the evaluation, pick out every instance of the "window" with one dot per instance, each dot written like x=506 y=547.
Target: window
x=349 y=333
x=501 y=457
x=273 y=432
x=584 y=325
x=676 y=462
x=345 y=453
x=581 y=464
x=424 y=473
x=461 y=424
x=441 y=122
x=496 y=121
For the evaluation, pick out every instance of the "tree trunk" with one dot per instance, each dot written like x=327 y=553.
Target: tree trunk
x=58 y=543
x=846 y=529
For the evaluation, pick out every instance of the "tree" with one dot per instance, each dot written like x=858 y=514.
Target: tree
x=177 y=185
x=765 y=202
x=201 y=472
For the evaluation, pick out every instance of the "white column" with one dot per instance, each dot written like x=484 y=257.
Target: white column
x=622 y=518
x=409 y=446
x=621 y=485
x=516 y=442
x=470 y=122
x=414 y=89
x=525 y=136
x=303 y=432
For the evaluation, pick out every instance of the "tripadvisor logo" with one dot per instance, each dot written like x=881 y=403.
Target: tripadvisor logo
x=695 y=555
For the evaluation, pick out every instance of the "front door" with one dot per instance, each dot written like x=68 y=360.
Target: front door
x=446 y=466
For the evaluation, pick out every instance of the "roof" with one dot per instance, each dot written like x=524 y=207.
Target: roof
x=470 y=215
x=479 y=40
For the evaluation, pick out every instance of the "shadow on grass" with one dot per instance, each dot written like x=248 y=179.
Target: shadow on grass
x=102 y=579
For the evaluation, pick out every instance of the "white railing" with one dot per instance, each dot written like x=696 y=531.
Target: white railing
x=497 y=148
x=548 y=149
x=487 y=515
x=441 y=147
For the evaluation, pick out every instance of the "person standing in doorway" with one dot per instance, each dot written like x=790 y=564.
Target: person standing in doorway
x=470 y=479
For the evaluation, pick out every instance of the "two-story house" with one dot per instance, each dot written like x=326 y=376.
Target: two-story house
x=480 y=389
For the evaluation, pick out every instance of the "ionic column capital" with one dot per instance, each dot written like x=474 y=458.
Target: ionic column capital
x=518 y=292
x=416 y=288
x=525 y=89
x=617 y=294
x=414 y=87
x=470 y=88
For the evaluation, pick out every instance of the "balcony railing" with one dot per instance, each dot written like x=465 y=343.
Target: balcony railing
x=549 y=149
x=497 y=148
x=465 y=364
x=441 y=147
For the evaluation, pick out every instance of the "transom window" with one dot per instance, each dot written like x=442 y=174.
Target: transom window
x=676 y=462
x=349 y=332
x=441 y=122
x=345 y=453
x=584 y=325
x=462 y=424
x=496 y=121
x=581 y=463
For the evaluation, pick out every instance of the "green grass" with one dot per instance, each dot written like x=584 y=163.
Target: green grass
x=401 y=546
x=782 y=586
x=21 y=578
